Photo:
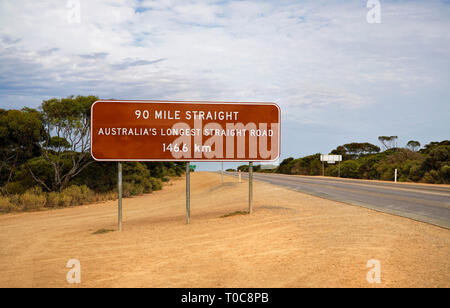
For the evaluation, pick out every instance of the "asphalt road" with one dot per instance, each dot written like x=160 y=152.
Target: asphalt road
x=426 y=203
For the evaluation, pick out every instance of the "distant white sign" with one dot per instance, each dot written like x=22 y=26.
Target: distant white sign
x=331 y=159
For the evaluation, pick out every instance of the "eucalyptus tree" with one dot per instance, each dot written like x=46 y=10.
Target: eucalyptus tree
x=413 y=145
x=67 y=144
x=21 y=132
x=388 y=142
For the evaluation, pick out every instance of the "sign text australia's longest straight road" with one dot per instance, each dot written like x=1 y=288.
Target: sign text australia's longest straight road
x=190 y=131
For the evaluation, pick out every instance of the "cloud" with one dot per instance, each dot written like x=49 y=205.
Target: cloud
x=311 y=57
x=94 y=56
x=47 y=52
x=127 y=63
x=8 y=40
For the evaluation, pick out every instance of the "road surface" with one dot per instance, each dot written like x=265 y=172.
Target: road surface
x=426 y=203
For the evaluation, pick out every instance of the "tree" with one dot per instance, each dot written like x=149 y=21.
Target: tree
x=340 y=150
x=430 y=146
x=243 y=168
x=437 y=165
x=284 y=166
x=388 y=142
x=355 y=150
x=413 y=145
x=67 y=145
x=21 y=131
x=349 y=169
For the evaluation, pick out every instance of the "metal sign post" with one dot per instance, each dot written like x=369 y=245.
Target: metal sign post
x=188 y=193
x=221 y=172
x=250 y=188
x=119 y=186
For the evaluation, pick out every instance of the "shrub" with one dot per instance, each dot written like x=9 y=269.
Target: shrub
x=332 y=170
x=6 y=205
x=386 y=172
x=141 y=186
x=76 y=195
x=432 y=177
x=32 y=199
x=170 y=172
x=445 y=174
x=14 y=199
x=65 y=200
x=53 y=200
x=416 y=172
x=137 y=189
x=349 y=169
x=147 y=186
x=137 y=180
x=127 y=189
x=244 y=168
x=87 y=195
x=111 y=195
x=72 y=193
x=156 y=183
x=15 y=188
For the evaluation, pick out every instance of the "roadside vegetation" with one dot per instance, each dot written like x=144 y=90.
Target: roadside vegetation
x=430 y=164
x=45 y=160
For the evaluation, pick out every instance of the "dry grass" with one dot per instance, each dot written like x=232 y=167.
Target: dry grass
x=102 y=231
x=34 y=199
x=6 y=205
x=234 y=214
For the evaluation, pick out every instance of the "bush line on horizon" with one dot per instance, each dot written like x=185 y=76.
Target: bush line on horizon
x=34 y=199
x=431 y=164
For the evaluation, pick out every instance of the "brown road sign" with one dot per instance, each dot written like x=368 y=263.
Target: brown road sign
x=184 y=131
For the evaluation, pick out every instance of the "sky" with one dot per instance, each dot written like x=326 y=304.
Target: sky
x=337 y=77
